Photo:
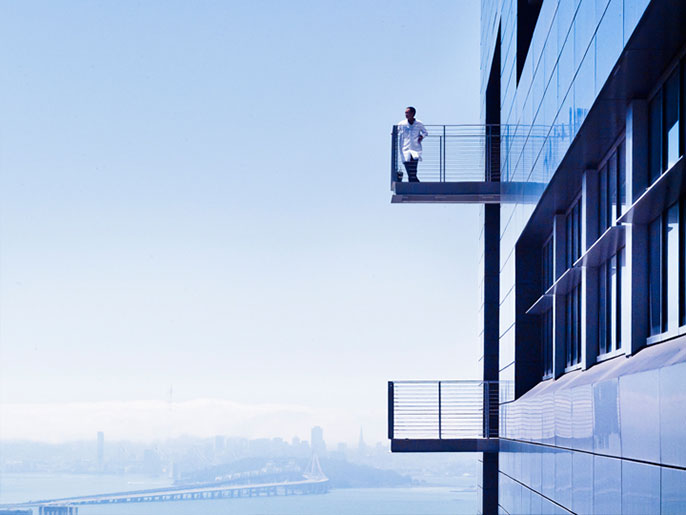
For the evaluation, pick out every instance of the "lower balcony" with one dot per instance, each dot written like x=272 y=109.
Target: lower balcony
x=443 y=416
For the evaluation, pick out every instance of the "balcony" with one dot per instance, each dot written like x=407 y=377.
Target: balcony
x=461 y=164
x=443 y=416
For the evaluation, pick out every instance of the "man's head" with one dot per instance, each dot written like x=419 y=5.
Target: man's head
x=410 y=112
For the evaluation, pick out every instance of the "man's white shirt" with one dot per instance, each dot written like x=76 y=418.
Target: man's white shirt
x=410 y=147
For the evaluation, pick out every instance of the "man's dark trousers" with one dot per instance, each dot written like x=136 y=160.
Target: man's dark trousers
x=411 y=167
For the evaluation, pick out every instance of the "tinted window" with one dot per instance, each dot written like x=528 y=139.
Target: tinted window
x=655 y=140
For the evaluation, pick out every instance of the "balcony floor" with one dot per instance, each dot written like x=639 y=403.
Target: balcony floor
x=450 y=192
x=446 y=445
x=466 y=192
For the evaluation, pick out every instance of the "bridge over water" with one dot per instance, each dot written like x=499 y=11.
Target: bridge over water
x=313 y=482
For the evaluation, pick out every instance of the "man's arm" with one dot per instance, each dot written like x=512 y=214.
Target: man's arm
x=422 y=133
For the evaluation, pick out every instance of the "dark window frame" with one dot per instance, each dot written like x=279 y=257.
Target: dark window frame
x=547 y=264
x=610 y=304
x=547 y=330
x=573 y=327
x=666 y=126
x=655 y=261
x=573 y=244
x=612 y=206
x=667 y=272
x=658 y=111
x=669 y=311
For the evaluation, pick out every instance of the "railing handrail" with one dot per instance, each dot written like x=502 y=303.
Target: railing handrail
x=449 y=381
x=500 y=125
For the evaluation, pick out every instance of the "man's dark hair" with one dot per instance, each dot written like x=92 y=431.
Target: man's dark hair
x=414 y=111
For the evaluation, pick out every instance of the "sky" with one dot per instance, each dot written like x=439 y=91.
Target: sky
x=195 y=215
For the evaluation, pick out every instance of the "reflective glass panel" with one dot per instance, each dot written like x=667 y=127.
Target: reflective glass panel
x=655 y=137
x=610 y=304
x=547 y=264
x=671 y=119
x=584 y=27
x=612 y=187
x=573 y=236
x=621 y=177
x=612 y=283
x=673 y=498
x=568 y=241
x=607 y=485
x=622 y=324
x=655 y=265
x=608 y=41
x=547 y=337
x=568 y=329
x=640 y=488
x=602 y=204
x=671 y=268
x=584 y=87
x=602 y=309
x=573 y=323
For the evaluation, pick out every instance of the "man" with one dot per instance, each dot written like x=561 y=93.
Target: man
x=411 y=132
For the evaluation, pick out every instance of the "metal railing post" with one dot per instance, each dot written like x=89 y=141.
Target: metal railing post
x=443 y=152
x=487 y=171
x=440 y=159
x=439 y=412
x=487 y=411
x=394 y=155
x=390 y=410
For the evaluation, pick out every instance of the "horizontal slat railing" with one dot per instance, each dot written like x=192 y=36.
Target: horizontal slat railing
x=478 y=153
x=442 y=409
x=453 y=153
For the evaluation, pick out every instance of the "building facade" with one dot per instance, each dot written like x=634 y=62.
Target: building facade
x=584 y=290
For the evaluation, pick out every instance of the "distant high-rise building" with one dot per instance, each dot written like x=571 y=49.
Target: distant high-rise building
x=101 y=450
x=361 y=446
x=317 y=438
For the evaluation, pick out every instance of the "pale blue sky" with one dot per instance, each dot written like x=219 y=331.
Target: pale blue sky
x=195 y=195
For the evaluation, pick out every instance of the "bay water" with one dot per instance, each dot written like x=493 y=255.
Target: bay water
x=456 y=498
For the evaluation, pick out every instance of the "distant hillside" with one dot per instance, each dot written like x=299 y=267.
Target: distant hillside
x=344 y=474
